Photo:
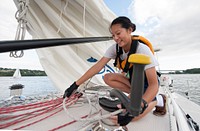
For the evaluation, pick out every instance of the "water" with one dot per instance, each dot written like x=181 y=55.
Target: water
x=187 y=83
x=34 y=86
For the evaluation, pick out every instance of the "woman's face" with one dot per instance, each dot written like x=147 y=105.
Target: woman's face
x=122 y=36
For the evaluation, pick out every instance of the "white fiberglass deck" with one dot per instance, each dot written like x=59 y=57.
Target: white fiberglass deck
x=61 y=121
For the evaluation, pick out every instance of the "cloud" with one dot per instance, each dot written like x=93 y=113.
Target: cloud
x=172 y=25
x=28 y=61
x=8 y=22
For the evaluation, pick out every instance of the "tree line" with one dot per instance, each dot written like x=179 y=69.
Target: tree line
x=24 y=72
x=188 y=71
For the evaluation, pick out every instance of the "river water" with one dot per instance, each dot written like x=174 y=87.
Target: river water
x=187 y=83
x=34 y=86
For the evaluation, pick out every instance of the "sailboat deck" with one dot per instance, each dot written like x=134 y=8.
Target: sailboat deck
x=61 y=121
x=188 y=107
x=58 y=119
x=149 y=122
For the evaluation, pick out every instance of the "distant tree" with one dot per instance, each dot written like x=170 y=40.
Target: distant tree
x=24 y=72
x=178 y=72
x=192 y=71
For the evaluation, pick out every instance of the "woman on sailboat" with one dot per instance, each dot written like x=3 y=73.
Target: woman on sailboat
x=121 y=29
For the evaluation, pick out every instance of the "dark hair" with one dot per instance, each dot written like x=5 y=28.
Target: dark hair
x=124 y=22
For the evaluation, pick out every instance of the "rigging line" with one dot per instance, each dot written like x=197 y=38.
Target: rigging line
x=61 y=14
x=66 y=124
x=34 y=112
x=14 y=45
x=84 y=6
x=20 y=15
x=28 y=117
x=59 y=109
x=13 y=109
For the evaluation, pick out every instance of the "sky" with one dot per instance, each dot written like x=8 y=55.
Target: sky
x=173 y=26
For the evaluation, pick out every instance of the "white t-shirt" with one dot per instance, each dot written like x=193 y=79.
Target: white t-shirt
x=141 y=49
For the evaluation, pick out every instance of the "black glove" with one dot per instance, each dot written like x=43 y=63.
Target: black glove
x=70 y=90
x=124 y=118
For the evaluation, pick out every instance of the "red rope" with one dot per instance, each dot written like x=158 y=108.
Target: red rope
x=23 y=119
x=6 y=110
x=44 y=107
x=68 y=100
x=39 y=120
x=23 y=106
x=25 y=114
x=64 y=125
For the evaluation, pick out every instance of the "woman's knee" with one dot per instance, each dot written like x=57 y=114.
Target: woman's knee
x=107 y=78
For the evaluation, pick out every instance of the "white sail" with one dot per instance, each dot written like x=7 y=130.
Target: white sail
x=17 y=74
x=73 y=18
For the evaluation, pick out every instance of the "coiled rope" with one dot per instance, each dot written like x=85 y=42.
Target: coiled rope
x=20 y=15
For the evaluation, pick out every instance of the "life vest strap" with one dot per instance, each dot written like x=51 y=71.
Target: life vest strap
x=124 y=64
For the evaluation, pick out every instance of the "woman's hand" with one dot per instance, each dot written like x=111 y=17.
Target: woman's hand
x=69 y=91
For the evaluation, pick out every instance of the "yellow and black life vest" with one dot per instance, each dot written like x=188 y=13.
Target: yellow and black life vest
x=123 y=64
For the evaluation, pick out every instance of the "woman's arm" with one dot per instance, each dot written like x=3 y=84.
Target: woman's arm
x=93 y=70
